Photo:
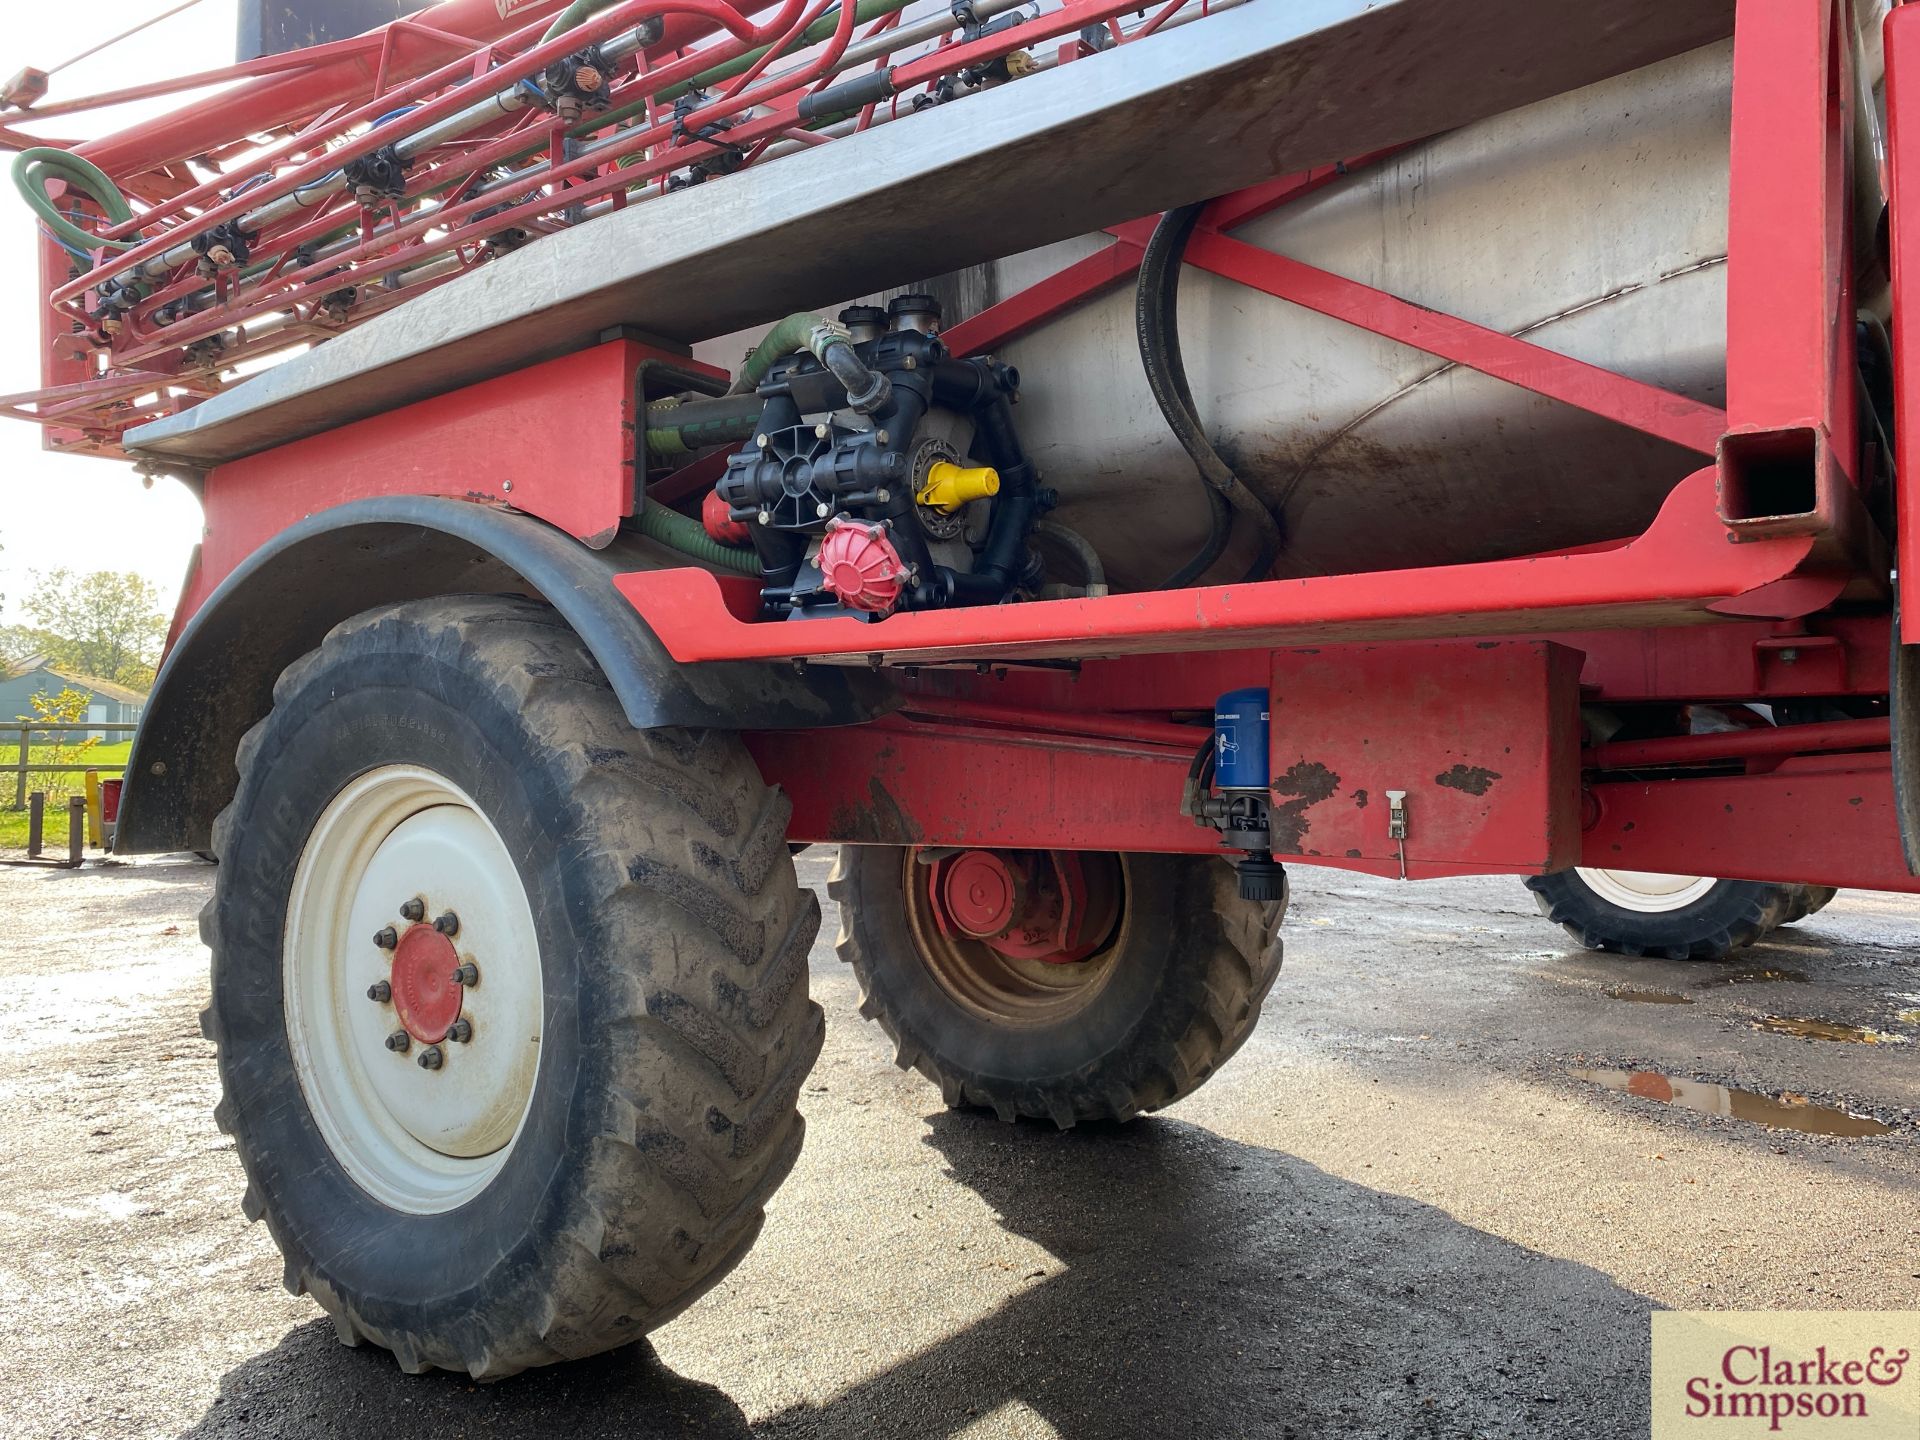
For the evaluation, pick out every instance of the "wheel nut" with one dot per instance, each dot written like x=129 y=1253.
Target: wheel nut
x=380 y=991
x=414 y=909
x=448 y=924
x=398 y=1042
x=387 y=938
x=431 y=1058
x=467 y=974
x=460 y=1032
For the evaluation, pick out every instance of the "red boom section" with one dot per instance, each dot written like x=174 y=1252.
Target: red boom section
x=338 y=181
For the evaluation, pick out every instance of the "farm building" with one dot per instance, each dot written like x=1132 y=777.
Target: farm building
x=107 y=703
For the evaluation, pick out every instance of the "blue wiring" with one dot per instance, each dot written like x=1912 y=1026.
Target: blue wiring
x=390 y=115
x=75 y=251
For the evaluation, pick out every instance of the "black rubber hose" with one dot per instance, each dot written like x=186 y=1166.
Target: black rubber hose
x=980 y=388
x=1156 y=316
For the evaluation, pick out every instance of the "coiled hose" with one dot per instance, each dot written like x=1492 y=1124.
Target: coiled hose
x=1156 y=323
x=33 y=168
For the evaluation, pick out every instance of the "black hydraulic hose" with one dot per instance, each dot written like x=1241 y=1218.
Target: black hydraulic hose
x=980 y=388
x=1156 y=316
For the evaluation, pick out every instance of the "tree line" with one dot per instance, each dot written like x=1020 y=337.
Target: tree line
x=104 y=624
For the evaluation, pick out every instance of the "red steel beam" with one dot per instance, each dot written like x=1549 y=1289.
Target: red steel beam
x=1041 y=302
x=1790 y=311
x=890 y=783
x=1794 y=826
x=1085 y=278
x=1740 y=744
x=1519 y=362
x=1184 y=738
x=1679 y=570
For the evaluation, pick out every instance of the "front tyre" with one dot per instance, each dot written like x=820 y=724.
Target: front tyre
x=1057 y=985
x=510 y=999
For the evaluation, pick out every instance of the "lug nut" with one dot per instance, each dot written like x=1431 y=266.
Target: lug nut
x=448 y=924
x=398 y=1042
x=387 y=938
x=431 y=1058
x=414 y=909
x=380 y=991
x=467 y=974
x=460 y=1032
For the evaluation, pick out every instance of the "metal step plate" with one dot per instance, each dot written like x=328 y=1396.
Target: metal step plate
x=1269 y=88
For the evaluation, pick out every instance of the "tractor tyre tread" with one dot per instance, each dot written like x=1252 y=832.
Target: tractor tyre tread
x=701 y=1035
x=1225 y=955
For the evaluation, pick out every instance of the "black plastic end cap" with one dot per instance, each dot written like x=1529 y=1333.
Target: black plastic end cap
x=1263 y=879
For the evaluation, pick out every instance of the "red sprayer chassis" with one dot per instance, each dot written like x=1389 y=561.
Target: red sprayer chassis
x=490 y=502
x=1762 y=580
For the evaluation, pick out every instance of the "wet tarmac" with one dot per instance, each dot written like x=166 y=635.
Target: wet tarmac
x=1399 y=1211
x=1784 y=1112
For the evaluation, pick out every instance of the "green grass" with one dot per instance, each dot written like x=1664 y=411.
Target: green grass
x=104 y=753
x=109 y=757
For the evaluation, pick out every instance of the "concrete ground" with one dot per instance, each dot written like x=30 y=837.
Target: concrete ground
x=1395 y=1213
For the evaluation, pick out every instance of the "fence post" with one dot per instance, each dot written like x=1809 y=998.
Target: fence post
x=20 y=770
x=36 y=823
x=90 y=788
x=76 y=829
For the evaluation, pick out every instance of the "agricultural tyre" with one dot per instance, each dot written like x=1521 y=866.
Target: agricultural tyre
x=510 y=999
x=1810 y=901
x=1055 y=985
x=1674 y=917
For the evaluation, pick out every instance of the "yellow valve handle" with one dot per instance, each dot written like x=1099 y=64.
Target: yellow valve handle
x=949 y=486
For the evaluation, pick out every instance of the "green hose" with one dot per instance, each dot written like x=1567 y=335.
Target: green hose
x=689 y=537
x=782 y=340
x=666 y=440
x=578 y=13
x=32 y=169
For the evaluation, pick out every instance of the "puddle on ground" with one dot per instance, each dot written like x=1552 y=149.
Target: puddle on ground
x=1808 y=1028
x=1752 y=975
x=1647 y=997
x=1789 y=1112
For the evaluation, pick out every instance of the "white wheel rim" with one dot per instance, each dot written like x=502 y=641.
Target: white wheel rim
x=1646 y=892
x=421 y=1141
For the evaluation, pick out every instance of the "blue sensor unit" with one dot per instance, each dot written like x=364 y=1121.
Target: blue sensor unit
x=1240 y=742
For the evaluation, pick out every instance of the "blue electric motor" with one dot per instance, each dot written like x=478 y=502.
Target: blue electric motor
x=1240 y=741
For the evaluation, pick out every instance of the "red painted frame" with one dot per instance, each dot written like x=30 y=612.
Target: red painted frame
x=1721 y=599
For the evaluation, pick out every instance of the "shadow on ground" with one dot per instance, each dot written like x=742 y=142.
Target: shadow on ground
x=1209 y=1288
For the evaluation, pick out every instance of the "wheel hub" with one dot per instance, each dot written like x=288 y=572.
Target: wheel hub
x=426 y=996
x=980 y=893
x=1040 y=905
x=415 y=1003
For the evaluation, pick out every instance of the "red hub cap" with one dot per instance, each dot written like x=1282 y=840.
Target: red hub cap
x=980 y=893
x=426 y=997
x=1045 y=905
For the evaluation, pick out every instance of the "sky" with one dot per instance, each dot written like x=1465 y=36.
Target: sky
x=81 y=512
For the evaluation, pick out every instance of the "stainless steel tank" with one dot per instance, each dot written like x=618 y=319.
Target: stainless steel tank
x=1593 y=224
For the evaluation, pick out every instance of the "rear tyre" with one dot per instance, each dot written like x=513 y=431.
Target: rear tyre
x=1810 y=900
x=1675 y=917
x=594 y=1150
x=1174 y=970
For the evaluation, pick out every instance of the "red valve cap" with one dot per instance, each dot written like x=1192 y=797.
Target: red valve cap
x=859 y=565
